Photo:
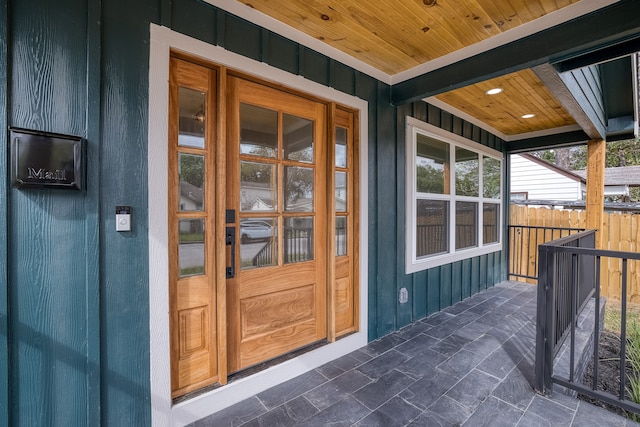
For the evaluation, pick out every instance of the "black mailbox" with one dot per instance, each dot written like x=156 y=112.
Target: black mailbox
x=41 y=159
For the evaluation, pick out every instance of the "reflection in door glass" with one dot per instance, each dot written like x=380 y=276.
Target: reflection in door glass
x=297 y=138
x=191 y=172
x=298 y=239
x=341 y=147
x=341 y=235
x=192 y=120
x=258 y=187
x=298 y=189
x=258 y=131
x=191 y=247
x=341 y=191
x=258 y=242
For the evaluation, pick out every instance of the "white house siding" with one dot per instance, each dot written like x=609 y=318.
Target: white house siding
x=542 y=183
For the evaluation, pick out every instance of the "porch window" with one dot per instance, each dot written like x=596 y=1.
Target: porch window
x=453 y=197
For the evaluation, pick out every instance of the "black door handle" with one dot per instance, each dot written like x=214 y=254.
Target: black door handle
x=231 y=240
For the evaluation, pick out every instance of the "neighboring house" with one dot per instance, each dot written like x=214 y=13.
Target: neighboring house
x=532 y=178
x=190 y=197
x=535 y=179
x=618 y=181
x=375 y=119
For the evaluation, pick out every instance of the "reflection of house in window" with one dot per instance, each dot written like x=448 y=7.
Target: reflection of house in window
x=191 y=197
x=256 y=196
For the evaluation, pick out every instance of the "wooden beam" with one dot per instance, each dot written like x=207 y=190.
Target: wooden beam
x=604 y=28
x=596 y=150
x=589 y=121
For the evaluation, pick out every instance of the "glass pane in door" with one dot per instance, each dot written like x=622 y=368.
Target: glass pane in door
x=341 y=191
x=191 y=123
x=258 y=187
x=191 y=247
x=258 y=242
x=191 y=172
x=258 y=131
x=298 y=189
x=297 y=135
x=341 y=235
x=298 y=239
x=341 y=147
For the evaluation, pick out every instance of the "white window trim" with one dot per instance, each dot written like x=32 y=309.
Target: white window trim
x=414 y=127
x=163 y=412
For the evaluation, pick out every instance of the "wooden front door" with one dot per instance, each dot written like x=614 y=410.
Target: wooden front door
x=262 y=223
x=276 y=185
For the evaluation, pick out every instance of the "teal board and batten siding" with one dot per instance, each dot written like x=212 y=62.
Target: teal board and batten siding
x=74 y=301
x=74 y=310
x=4 y=342
x=440 y=287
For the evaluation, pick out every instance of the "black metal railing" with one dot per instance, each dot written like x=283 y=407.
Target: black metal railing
x=569 y=276
x=523 y=247
x=298 y=244
x=298 y=247
x=265 y=256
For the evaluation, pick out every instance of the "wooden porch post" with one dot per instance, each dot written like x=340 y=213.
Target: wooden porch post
x=595 y=187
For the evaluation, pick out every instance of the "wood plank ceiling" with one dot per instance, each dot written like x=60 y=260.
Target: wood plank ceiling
x=394 y=36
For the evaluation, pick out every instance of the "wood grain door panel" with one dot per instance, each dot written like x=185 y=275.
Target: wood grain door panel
x=279 y=306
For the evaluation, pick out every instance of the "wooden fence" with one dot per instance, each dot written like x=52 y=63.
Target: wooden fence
x=621 y=232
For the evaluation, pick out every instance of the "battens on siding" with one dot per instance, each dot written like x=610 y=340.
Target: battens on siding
x=92 y=203
x=4 y=344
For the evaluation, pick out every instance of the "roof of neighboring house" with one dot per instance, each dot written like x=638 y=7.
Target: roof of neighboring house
x=191 y=192
x=624 y=175
x=562 y=171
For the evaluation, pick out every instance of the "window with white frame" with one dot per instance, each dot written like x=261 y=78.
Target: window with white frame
x=454 y=202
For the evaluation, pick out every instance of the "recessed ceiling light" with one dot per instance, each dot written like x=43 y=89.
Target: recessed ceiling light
x=494 y=91
x=528 y=116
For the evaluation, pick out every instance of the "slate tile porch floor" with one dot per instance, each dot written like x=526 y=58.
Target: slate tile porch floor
x=471 y=364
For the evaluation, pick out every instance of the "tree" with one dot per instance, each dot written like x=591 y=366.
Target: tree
x=192 y=169
x=429 y=179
